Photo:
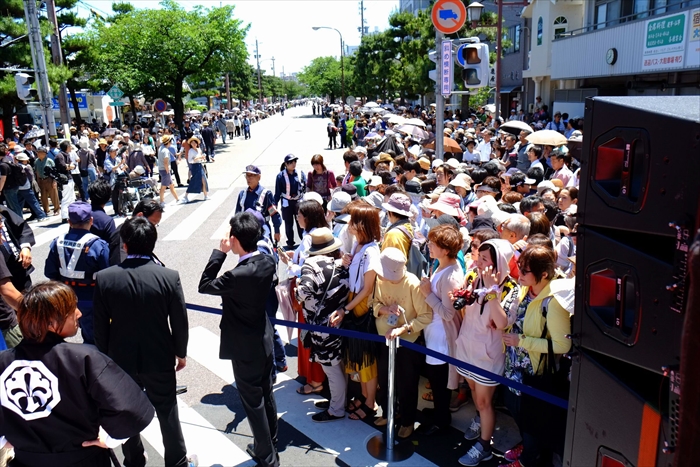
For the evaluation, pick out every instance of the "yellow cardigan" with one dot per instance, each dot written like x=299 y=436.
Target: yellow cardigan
x=558 y=325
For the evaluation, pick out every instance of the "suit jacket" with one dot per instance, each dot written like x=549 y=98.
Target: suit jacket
x=246 y=332
x=133 y=303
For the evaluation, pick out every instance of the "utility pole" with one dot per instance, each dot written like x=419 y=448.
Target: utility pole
x=257 y=57
x=273 y=66
x=362 y=19
x=57 y=57
x=42 y=77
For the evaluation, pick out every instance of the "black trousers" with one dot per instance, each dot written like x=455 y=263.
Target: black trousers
x=438 y=376
x=160 y=389
x=254 y=381
x=173 y=167
x=408 y=366
x=289 y=216
x=78 y=180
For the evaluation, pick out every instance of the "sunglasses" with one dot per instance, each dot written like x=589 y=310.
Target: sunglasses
x=524 y=271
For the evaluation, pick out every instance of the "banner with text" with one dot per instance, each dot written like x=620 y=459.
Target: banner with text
x=664 y=42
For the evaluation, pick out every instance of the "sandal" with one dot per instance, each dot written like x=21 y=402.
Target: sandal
x=353 y=405
x=367 y=412
x=428 y=396
x=427 y=385
x=314 y=389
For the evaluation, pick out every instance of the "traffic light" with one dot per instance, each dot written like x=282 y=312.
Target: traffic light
x=24 y=82
x=476 y=65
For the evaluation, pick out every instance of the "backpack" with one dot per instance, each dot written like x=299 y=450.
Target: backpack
x=417 y=263
x=16 y=177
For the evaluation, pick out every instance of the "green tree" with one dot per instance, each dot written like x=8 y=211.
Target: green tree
x=153 y=51
x=322 y=76
x=16 y=53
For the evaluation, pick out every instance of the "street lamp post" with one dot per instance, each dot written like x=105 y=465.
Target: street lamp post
x=342 y=54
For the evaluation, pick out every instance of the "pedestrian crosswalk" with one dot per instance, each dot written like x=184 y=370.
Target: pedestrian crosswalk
x=199 y=216
x=346 y=440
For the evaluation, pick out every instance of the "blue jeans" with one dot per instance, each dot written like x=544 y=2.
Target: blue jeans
x=92 y=176
x=29 y=198
x=12 y=200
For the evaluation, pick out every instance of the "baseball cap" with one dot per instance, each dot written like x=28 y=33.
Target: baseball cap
x=251 y=169
x=79 y=212
x=290 y=158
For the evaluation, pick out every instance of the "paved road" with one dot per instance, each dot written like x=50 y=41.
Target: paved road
x=212 y=417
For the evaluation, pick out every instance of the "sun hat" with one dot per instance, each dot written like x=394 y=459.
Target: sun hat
x=463 y=181
x=101 y=141
x=323 y=241
x=339 y=200
x=393 y=264
x=424 y=163
x=447 y=203
x=452 y=163
x=399 y=203
x=163 y=139
x=193 y=139
x=375 y=198
x=489 y=208
x=22 y=157
x=312 y=196
x=375 y=181
x=437 y=163
x=385 y=157
x=544 y=185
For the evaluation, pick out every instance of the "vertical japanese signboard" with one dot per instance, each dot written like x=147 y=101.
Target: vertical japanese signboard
x=446 y=68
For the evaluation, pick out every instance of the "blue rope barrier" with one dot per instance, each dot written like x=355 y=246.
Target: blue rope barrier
x=549 y=398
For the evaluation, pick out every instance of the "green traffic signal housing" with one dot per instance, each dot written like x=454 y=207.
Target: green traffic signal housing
x=476 y=65
x=25 y=91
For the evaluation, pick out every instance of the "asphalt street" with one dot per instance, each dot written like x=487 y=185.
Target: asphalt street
x=212 y=416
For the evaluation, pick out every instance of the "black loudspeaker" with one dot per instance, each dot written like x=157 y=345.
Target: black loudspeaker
x=640 y=166
x=638 y=206
x=617 y=416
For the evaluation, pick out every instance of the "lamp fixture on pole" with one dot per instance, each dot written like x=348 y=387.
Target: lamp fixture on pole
x=342 y=54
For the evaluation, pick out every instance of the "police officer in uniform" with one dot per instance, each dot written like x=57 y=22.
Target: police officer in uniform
x=290 y=187
x=75 y=257
x=259 y=199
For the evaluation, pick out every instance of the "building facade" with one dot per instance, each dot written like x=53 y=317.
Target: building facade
x=582 y=48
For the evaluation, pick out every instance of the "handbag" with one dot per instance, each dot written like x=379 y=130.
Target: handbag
x=360 y=351
x=540 y=418
x=305 y=335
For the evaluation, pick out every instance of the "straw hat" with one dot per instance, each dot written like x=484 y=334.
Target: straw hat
x=323 y=242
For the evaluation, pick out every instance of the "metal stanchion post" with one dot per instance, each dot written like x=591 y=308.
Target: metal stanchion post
x=379 y=446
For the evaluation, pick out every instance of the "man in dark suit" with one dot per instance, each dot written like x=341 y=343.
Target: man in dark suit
x=133 y=304
x=246 y=332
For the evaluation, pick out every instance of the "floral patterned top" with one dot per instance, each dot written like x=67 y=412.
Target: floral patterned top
x=518 y=359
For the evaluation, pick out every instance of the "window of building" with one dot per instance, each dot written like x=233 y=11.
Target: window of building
x=560 y=27
x=607 y=13
x=540 y=29
x=513 y=35
x=516 y=39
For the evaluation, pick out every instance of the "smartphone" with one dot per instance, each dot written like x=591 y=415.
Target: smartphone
x=392 y=320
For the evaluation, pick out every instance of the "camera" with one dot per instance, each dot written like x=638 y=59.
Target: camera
x=463 y=297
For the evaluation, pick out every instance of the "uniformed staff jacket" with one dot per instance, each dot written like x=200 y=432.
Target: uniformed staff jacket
x=93 y=392
x=96 y=259
x=251 y=197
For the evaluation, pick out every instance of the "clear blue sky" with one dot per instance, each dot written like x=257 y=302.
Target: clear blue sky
x=283 y=27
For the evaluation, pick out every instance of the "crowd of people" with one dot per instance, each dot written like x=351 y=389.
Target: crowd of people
x=470 y=258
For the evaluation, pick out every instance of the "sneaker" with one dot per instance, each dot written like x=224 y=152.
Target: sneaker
x=184 y=200
x=474 y=430
x=514 y=454
x=206 y=198
x=192 y=460
x=460 y=401
x=475 y=455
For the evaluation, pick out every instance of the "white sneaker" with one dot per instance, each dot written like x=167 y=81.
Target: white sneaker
x=206 y=198
x=184 y=200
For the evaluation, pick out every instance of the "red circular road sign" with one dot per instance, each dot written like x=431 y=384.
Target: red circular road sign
x=449 y=16
x=160 y=105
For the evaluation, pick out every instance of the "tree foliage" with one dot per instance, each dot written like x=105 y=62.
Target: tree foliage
x=155 y=51
x=16 y=53
x=323 y=77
